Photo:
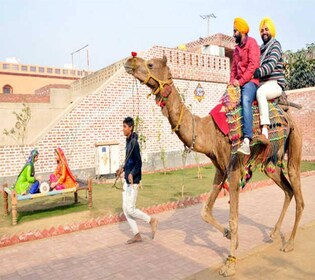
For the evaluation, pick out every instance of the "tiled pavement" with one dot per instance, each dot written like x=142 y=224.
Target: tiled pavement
x=184 y=244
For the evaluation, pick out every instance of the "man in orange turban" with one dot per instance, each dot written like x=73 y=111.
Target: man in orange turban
x=245 y=62
x=270 y=72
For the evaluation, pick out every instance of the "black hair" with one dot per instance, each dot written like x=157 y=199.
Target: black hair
x=130 y=122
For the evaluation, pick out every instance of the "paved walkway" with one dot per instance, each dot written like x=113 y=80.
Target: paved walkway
x=184 y=244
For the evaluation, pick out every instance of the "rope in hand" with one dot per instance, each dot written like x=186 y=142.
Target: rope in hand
x=115 y=183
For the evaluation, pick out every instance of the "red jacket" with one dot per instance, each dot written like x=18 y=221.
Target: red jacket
x=246 y=59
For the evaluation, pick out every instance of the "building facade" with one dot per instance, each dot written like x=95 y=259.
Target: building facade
x=29 y=79
x=99 y=102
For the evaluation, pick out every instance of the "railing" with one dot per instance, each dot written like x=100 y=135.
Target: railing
x=184 y=58
x=96 y=78
x=42 y=70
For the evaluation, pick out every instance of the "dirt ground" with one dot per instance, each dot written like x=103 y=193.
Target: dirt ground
x=268 y=262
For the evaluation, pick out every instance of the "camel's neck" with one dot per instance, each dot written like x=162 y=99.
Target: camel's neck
x=202 y=132
x=175 y=107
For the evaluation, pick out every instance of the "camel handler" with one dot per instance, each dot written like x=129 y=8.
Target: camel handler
x=245 y=62
x=270 y=72
x=132 y=169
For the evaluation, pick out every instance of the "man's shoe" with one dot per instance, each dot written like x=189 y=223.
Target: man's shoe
x=244 y=149
x=154 y=222
x=135 y=239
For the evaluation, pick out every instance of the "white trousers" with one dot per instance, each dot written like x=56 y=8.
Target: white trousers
x=129 y=195
x=268 y=90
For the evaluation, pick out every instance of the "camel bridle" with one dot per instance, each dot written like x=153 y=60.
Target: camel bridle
x=164 y=94
x=161 y=83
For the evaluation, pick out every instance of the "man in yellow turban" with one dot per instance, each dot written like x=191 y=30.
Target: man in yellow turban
x=270 y=72
x=245 y=62
x=241 y=25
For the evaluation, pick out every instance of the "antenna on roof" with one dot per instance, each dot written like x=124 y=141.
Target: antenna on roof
x=87 y=56
x=208 y=17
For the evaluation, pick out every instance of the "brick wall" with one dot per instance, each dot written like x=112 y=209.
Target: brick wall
x=24 y=98
x=217 y=39
x=98 y=117
x=305 y=118
x=193 y=66
x=44 y=91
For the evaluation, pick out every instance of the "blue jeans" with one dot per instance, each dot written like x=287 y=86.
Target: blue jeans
x=248 y=95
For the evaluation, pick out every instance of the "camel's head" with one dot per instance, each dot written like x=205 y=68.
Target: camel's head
x=154 y=72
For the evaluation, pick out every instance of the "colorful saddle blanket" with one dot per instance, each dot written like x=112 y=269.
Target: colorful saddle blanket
x=228 y=117
x=278 y=128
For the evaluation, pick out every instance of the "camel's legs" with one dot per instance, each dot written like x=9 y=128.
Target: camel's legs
x=279 y=178
x=294 y=161
x=206 y=211
x=234 y=202
x=228 y=268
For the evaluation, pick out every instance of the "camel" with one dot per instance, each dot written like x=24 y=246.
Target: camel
x=202 y=135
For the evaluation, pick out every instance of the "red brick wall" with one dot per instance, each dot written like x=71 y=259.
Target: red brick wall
x=24 y=98
x=217 y=39
x=305 y=118
x=98 y=117
x=193 y=66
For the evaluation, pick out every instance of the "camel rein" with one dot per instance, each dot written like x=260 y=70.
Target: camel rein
x=126 y=159
x=161 y=102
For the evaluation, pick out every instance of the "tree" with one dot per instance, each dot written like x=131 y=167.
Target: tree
x=300 y=67
x=19 y=132
x=139 y=128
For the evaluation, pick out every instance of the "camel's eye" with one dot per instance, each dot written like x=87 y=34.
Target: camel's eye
x=150 y=65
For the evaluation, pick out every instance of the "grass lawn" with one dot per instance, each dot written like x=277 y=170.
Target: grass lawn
x=157 y=188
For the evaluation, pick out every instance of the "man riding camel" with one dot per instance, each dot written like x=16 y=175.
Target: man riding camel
x=270 y=72
x=245 y=62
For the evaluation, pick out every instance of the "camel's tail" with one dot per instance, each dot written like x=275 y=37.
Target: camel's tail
x=283 y=100
x=289 y=104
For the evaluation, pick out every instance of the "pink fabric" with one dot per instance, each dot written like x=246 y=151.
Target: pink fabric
x=53 y=179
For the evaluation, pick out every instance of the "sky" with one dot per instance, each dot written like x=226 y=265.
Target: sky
x=45 y=32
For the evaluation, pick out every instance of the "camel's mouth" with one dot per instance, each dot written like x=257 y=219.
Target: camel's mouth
x=128 y=68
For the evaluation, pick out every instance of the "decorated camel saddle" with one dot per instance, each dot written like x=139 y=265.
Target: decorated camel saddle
x=228 y=117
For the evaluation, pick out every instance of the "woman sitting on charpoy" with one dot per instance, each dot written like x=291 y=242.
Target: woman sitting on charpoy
x=63 y=177
x=26 y=181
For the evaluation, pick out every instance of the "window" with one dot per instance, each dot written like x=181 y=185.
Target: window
x=24 y=68
x=15 y=66
x=7 y=89
x=41 y=70
x=65 y=72
x=6 y=66
x=57 y=71
x=49 y=70
x=33 y=69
